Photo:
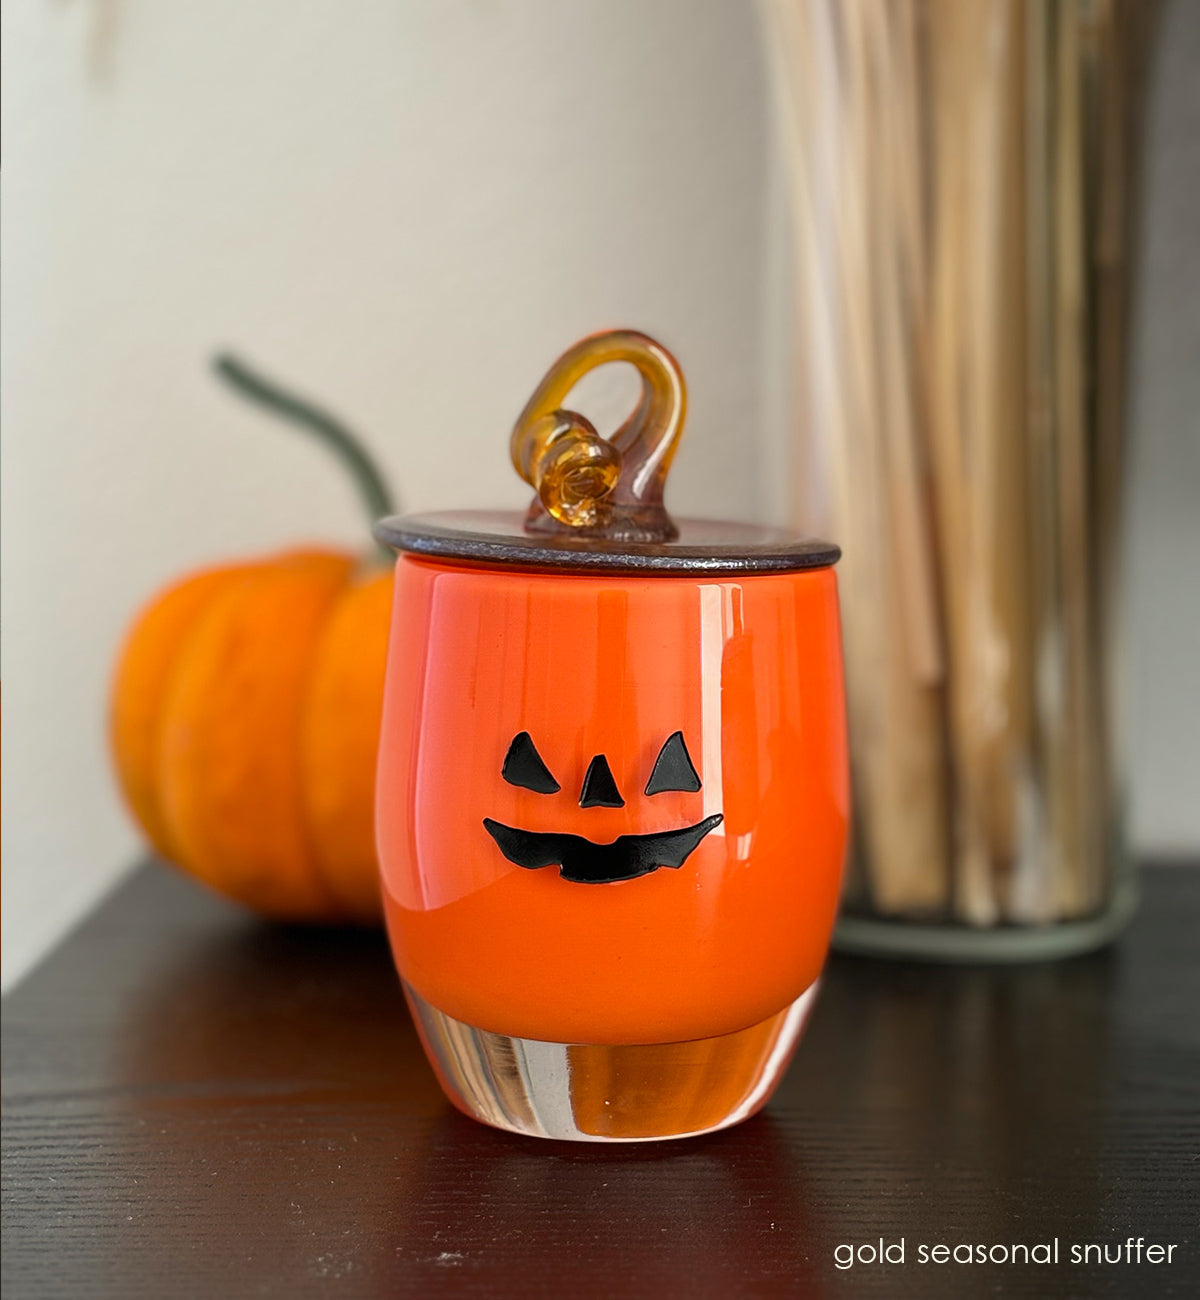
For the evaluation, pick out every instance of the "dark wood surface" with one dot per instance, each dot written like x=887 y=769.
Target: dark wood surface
x=197 y=1104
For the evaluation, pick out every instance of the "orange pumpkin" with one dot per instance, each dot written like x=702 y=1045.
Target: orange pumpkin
x=245 y=714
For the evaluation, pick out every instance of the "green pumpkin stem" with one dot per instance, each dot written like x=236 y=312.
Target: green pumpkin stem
x=368 y=478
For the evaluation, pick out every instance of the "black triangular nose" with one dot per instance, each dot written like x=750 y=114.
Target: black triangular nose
x=599 y=788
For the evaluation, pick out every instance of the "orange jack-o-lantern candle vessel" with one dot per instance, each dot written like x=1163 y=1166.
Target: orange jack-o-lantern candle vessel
x=613 y=789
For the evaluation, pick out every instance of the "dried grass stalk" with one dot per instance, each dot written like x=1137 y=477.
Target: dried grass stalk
x=959 y=184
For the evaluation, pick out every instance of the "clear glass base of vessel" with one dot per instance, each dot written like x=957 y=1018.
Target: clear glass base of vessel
x=622 y=1093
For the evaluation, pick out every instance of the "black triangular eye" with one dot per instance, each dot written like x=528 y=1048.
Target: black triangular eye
x=523 y=766
x=599 y=788
x=673 y=768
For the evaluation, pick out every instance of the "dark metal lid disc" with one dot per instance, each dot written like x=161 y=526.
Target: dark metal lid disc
x=499 y=538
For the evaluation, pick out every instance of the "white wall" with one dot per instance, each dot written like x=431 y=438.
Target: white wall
x=407 y=208
x=1163 y=551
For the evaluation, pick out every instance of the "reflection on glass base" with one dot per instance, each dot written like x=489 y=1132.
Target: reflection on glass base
x=624 y=1093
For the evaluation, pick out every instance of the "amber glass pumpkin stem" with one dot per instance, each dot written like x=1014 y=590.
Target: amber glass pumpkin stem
x=346 y=446
x=590 y=486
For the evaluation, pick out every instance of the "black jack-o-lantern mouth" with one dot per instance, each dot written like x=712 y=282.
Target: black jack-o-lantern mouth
x=583 y=861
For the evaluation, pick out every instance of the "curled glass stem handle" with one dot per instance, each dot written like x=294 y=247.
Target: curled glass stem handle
x=591 y=486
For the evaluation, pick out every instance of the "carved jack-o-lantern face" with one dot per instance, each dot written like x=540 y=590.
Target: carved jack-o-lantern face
x=582 y=860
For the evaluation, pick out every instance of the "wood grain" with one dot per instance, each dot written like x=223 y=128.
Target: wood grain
x=197 y=1104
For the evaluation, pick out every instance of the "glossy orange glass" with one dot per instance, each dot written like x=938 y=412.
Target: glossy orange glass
x=747 y=668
